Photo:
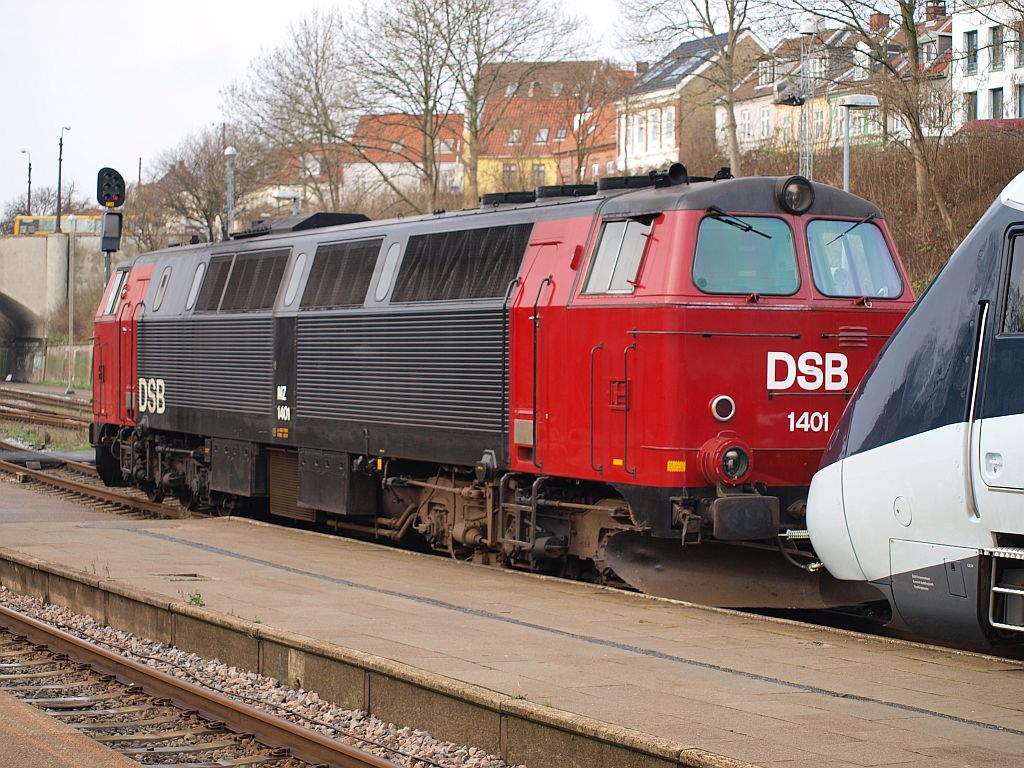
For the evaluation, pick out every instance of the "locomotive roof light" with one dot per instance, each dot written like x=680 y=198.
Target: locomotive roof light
x=795 y=194
x=723 y=407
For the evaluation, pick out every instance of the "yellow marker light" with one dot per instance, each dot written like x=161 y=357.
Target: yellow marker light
x=617 y=462
x=674 y=465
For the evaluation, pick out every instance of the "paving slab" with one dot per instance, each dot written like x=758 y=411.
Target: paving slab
x=29 y=738
x=760 y=690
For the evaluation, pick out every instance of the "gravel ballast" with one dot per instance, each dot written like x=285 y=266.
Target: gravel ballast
x=404 y=746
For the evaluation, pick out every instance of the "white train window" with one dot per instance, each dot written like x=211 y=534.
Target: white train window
x=1013 y=315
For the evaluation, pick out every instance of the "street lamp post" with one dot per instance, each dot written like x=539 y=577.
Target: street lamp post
x=849 y=103
x=229 y=155
x=60 y=161
x=28 y=200
x=71 y=306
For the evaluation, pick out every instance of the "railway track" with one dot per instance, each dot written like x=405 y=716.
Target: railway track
x=152 y=715
x=81 y=482
x=44 y=409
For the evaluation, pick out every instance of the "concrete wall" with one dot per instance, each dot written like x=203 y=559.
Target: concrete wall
x=33 y=283
x=34 y=361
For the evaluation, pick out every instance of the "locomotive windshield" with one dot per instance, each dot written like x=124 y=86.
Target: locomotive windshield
x=730 y=259
x=852 y=261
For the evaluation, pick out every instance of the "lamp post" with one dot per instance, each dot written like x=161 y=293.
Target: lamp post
x=229 y=156
x=28 y=200
x=71 y=306
x=848 y=103
x=808 y=28
x=60 y=161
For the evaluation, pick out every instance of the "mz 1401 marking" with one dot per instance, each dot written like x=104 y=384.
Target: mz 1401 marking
x=151 y=396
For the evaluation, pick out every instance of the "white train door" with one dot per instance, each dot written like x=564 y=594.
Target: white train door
x=999 y=461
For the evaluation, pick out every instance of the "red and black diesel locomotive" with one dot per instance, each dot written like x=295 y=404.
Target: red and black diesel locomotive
x=636 y=379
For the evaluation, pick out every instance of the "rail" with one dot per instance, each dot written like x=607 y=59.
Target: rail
x=237 y=716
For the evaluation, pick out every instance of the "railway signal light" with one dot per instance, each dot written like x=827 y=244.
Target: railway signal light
x=109 y=188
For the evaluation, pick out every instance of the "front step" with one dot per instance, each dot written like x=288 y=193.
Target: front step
x=1006 y=593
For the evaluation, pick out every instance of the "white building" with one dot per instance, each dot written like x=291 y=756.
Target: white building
x=988 y=61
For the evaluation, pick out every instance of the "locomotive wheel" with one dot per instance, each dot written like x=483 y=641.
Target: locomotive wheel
x=188 y=499
x=155 y=495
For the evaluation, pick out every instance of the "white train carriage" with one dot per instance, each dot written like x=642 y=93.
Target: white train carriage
x=921 y=490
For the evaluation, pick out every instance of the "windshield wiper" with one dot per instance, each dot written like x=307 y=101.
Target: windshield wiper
x=733 y=221
x=856 y=224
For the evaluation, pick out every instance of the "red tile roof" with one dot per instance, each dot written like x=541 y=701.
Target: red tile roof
x=398 y=138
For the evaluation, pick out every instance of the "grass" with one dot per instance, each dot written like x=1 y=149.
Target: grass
x=50 y=438
x=195 y=597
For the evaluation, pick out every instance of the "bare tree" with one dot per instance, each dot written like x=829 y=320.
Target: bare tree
x=402 y=65
x=720 y=27
x=44 y=203
x=898 y=76
x=497 y=47
x=299 y=98
x=588 y=109
x=146 y=223
x=194 y=177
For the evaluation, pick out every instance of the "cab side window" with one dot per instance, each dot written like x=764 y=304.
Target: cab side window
x=619 y=251
x=1013 y=314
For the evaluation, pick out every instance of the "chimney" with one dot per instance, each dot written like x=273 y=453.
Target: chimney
x=935 y=9
x=879 y=22
x=642 y=67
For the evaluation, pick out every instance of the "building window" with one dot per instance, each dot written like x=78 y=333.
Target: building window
x=654 y=128
x=1019 y=45
x=765 y=72
x=595 y=170
x=819 y=124
x=542 y=136
x=560 y=134
x=766 y=122
x=510 y=89
x=971 y=47
x=515 y=135
x=996 y=40
x=556 y=89
x=787 y=126
x=534 y=88
x=311 y=167
x=609 y=167
x=1020 y=101
x=971 y=106
x=996 y=103
x=445 y=147
x=745 y=130
x=640 y=124
x=670 y=127
x=928 y=53
x=540 y=176
x=396 y=147
x=509 y=174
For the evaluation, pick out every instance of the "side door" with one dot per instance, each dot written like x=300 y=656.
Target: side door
x=1000 y=422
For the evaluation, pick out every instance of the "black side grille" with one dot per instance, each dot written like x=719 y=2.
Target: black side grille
x=440 y=369
x=212 y=363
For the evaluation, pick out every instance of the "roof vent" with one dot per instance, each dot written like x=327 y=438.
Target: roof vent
x=624 y=182
x=507 y=198
x=298 y=223
x=566 y=190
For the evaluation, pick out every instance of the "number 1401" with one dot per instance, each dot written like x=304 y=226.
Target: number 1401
x=808 y=422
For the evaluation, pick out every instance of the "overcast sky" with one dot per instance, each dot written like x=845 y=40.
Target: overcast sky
x=133 y=77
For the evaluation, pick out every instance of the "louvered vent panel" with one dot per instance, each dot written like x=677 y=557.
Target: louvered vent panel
x=211 y=362
x=417 y=369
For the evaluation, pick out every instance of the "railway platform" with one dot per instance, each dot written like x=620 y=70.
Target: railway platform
x=543 y=671
x=29 y=738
